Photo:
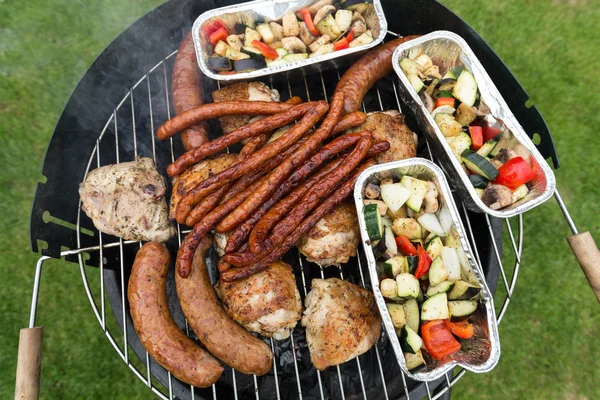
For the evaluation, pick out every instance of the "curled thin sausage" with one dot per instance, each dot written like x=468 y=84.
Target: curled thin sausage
x=362 y=75
x=257 y=127
x=187 y=91
x=350 y=121
x=217 y=331
x=216 y=110
x=270 y=150
x=336 y=197
x=159 y=334
x=279 y=174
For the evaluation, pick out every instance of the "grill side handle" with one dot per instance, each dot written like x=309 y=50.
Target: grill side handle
x=588 y=257
x=27 y=385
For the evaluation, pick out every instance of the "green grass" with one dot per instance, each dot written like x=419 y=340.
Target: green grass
x=550 y=334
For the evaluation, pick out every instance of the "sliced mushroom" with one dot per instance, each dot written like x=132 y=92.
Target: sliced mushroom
x=290 y=25
x=358 y=28
x=428 y=101
x=497 y=196
x=305 y=34
x=372 y=191
x=314 y=46
x=313 y=9
x=277 y=31
x=431 y=198
x=322 y=13
x=293 y=45
x=504 y=155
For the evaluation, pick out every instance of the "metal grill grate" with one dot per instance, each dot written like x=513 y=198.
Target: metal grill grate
x=122 y=132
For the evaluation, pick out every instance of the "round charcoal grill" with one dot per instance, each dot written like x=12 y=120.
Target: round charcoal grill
x=111 y=117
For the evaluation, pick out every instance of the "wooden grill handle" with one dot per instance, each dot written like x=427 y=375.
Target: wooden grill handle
x=27 y=386
x=588 y=256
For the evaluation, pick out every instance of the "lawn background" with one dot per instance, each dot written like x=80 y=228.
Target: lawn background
x=550 y=346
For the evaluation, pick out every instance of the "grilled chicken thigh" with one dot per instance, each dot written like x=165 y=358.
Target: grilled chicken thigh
x=248 y=91
x=390 y=126
x=127 y=200
x=196 y=174
x=333 y=240
x=267 y=302
x=341 y=320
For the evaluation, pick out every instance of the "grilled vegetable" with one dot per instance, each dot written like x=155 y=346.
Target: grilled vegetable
x=463 y=290
x=435 y=307
x=479 y=165
x=408 y=286
x=314 y=46
x=328 y=26
x=389 y=288
x=395 y=266
x=437 y=272
x=249 y=64
x=411 y=313
x=438 y=339
x=432 y=224
x=265 y=32
x=460 y=143
x=407 y=227
x=414 y=360
x=478 y=181
x=424 y=264
x=218 y=35
x=221 y=48
x=447 y=124
x=419 y=190
x=250 y=35
x=409 y=340
x=276 y=30
x=365 y=38
x=434 y=248
x=234 y=42
x=405 y=247
x=294 y=45
x=235 y=55
x=267 y=51
x=462 y=329
x=461 y=308
x=373 y=222
x=465 y=89
x=395 y=195
x=290 y=25
x=514 y=173
x=396 y=312
x=343 y=19
x=487 y=147
x=219 y=63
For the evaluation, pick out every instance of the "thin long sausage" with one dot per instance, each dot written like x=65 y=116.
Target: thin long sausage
x=217 y=331
x=257 y=159
x=257 y=127
x=336 y=197
x=159 y=334
x=187 y=91
x=186 y=251
x=362 y=75
x=216 y=110
x=278 y=175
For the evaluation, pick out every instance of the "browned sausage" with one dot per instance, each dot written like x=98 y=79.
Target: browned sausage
x=350 y=121
x=362 y=75
x=186 y=251
x=157 y=331
x=194 y=195
x=279 y=174
x=216 y=110
x=187 y=91
x=336 y=197
x=257 y=127
x=294 y=100
x=220 y=334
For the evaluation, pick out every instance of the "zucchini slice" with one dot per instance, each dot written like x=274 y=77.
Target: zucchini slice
x=252 y=51
x=221 y=48
x=235 y=55
x=442 y=287
x=418 y=188
x=365 y=38
x=487 y=148
x=395 y=266
x=413 y=262
x=519 y=193
x=265 y=32
x=465 y=89
x=394 y=195
x=295 y=57
x=435 y=307
x=479 y=165
x=414 y=360
x=328 y=26
x=460 y=143
x=434 y=248
x=461 y=308
x=396 y=312
x=449 y=75
x=437 y=272
x=410 y=67
x=411 y=313
x=408 y=286
x=463 y=290
x=410 y=341
x=373 y=222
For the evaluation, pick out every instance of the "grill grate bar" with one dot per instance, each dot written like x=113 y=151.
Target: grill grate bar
x=102 y=301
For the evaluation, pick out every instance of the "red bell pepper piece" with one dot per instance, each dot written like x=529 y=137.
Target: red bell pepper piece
x=444 y=101
x=213 y=27
x=476 y=133
x=514 y=173
x=489 y=133
x=227 y=72
x=219 y=34
x=538 y=173
x=265 y=49
x=438 y=339
x=462 y=329
x=309 y=22
x=350 y=37
x=424 y=262
x=341 y=44
x=405 y=246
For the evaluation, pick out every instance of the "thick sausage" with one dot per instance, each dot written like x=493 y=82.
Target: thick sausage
x=279 y=174
x=157 y=331
x=187 y=91
x=336 y=197
x=257 y=127
x=350 y=121
x=216 y=110
x=257 y=159
x=191 y=241
x=367 y=70
x=220 y=334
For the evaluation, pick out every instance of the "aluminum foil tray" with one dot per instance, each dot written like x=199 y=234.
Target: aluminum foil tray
x=479 y=354
x=270 y=10
x=449 y=50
